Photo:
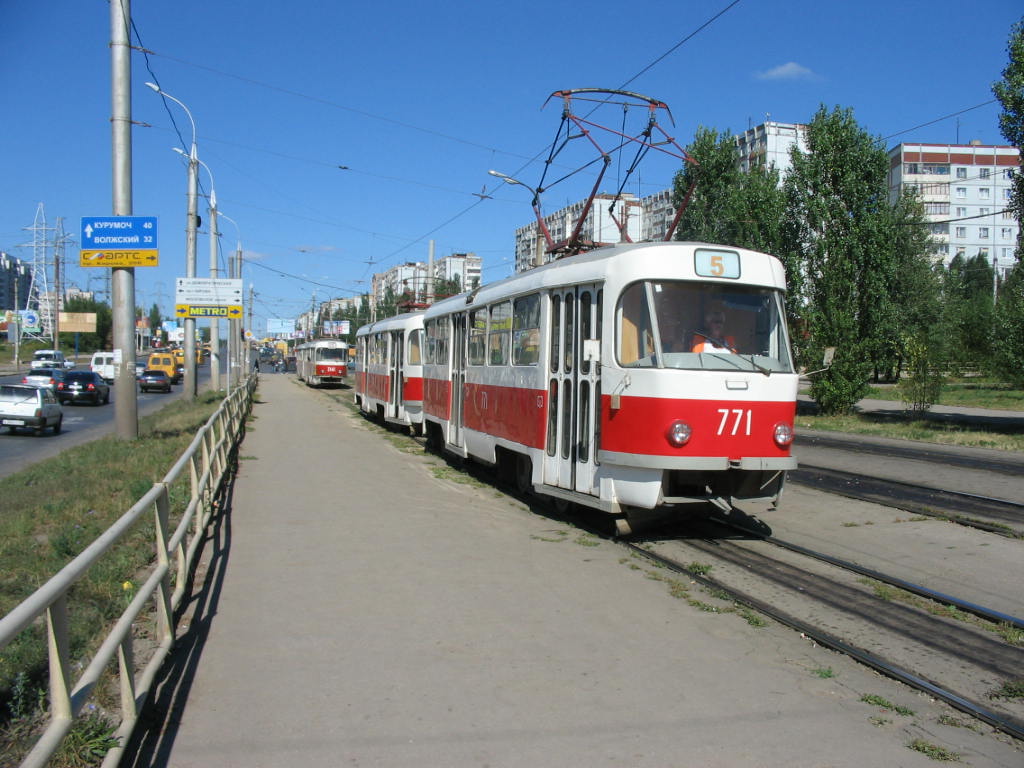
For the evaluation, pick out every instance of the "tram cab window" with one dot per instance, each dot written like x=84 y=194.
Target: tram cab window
x=659 y=323
x=333 y=354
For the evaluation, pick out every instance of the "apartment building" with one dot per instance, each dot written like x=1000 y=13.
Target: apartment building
x=15 y=281
x=411 y=278
x=965 y=189
x=768 y=146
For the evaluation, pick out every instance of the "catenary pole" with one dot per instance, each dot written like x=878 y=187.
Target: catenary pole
x=126 y=406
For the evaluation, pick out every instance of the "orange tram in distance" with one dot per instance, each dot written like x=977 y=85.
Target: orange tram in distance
x=636 y=379
x=322 y=362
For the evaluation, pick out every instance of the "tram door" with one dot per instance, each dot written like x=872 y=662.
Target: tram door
x=458 y=378
x=395 y=373
x=574 y=374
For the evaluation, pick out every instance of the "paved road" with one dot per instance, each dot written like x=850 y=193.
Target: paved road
x=361 y=609
x=82 y=424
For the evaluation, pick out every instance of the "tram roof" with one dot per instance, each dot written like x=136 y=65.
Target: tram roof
x=595 y=265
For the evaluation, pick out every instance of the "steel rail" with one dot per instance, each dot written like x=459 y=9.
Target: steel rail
x=1007 y=725
x=924 y=500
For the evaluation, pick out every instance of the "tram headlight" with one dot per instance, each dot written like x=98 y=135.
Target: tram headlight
x=678 y=434
x=783 y=434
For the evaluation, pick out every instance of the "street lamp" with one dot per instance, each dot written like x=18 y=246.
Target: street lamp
x=190 y=246
x=214 y=322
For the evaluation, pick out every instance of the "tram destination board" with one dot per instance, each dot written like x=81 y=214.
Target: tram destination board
x=119 y=241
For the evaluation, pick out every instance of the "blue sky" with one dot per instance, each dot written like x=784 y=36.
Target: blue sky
x=418 y=101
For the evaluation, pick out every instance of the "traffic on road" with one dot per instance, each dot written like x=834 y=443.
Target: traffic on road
x=83 y=414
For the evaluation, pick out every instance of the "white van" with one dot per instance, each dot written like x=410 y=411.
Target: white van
x=103 y=364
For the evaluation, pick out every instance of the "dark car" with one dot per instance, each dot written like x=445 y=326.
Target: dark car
x=154 y=381
x=83 y=387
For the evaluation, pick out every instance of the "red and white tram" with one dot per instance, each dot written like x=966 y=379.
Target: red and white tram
x=322 y=362
x=595 y=379
x=389 y=383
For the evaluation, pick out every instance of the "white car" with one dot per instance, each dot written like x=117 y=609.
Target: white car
x=51 y=378
x=29 y=407
x=50 y=358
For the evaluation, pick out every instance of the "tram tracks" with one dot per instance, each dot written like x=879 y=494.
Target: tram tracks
x=924 y=641
x=999 y=516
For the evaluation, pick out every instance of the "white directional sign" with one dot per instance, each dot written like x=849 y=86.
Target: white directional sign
x=208 y=291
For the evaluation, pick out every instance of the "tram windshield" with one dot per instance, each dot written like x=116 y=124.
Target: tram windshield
x=697 y=326
x=332 y=354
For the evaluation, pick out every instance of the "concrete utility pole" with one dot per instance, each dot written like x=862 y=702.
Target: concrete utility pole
x=126 y=404
x=214 y=322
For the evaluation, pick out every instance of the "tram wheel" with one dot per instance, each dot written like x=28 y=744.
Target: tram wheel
x=524 y=474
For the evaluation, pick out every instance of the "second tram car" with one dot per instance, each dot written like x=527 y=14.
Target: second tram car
x=389 y=383
x=606 y=379
x=322 y=362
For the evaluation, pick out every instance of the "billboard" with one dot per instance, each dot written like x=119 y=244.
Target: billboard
x=276 y=326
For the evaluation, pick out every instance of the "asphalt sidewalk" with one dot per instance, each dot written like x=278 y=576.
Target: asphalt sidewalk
x=361 y=608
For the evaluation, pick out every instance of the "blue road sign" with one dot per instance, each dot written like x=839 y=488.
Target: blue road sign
x=118 y=233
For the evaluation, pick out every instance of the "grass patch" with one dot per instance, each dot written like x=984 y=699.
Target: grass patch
x=1010 y=690
x=878 y=701
x=967 y=393
x=1010 y=634
x=57 y=507
x=933 y=751
x=824 y=672
x=902 y=426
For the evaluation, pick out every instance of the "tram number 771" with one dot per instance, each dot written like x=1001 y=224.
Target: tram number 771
x=741 y=419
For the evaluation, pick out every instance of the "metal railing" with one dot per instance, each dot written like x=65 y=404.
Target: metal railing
x=205 y=465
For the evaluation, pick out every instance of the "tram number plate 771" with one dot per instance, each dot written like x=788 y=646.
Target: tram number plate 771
x=738 y=417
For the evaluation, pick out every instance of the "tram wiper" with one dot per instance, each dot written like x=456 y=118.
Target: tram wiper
x=762 y=369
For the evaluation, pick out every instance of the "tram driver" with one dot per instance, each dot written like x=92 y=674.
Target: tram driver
x=712 y=337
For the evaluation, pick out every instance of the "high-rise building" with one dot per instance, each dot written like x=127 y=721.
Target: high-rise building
x=768 y=145
x=966 y=190
x=15 y=281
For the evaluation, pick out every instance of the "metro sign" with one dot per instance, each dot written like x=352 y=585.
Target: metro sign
x=232 y=312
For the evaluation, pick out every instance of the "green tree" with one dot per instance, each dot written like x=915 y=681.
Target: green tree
x=967 y=290
x=1008 y=324
x=1008 y=328
x=1010 y=92
x=728 y=206
x=849 y=254
x=155 y=318
x=445 y=288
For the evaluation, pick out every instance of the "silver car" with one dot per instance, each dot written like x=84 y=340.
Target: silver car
x=50 y=378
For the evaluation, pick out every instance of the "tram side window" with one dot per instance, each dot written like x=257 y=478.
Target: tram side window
x=430 y=342
x=437 y=341
x=499 y=333
x=477 y=336
x=415 y=339
x=526 y=330
x=378 y=349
